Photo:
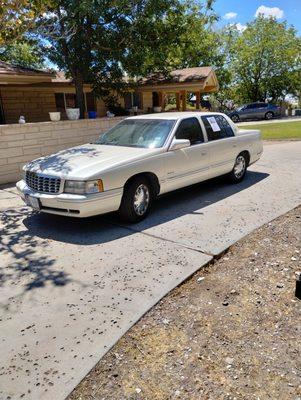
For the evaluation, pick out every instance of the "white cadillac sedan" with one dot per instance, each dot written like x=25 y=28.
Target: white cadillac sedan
x=137 y=160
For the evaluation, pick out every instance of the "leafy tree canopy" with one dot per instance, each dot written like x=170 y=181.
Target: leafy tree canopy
x=266 y=60
x=26 y=53
x=17 y=17
x=101 y=41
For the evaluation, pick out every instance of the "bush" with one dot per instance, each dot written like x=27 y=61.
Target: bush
x=118 y=111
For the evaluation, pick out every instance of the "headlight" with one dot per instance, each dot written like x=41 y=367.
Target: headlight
x=83 y=187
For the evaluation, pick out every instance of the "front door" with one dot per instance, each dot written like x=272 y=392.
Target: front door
x=191 y=164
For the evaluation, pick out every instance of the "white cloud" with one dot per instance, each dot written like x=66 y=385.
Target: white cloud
x=240 y=27
x=230 y=15
x=269 y=12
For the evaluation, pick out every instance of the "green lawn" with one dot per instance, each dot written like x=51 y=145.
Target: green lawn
x=278 y=130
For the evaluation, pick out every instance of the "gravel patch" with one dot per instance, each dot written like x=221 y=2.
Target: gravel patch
x=232 y=331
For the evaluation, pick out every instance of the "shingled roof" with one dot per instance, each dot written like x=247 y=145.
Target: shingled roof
x=9 y=69
x=186 y=75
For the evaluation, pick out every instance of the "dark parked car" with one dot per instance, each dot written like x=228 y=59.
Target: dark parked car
x=255 y=111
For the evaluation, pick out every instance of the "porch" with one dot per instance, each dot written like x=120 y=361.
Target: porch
x=180 y=86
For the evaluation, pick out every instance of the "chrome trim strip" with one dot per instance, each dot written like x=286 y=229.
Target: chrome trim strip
x=192 y=172
x=196 y=171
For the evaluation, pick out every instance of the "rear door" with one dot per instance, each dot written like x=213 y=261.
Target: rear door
x=221 y=145
x=191 y=164
x=261 y=110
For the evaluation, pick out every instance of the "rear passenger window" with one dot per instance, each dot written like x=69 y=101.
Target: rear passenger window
x=217 y=127
x=190 y=129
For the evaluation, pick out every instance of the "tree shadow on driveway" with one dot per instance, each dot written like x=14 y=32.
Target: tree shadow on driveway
x=23 y=263
x=107 y=228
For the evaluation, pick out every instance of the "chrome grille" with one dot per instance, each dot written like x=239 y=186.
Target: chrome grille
x=42 y=183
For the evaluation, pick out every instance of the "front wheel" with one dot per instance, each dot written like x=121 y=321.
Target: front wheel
x=240 y=168
x=269 y=115
x=136 y=200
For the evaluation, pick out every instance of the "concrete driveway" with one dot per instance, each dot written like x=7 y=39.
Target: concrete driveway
x=71 y=288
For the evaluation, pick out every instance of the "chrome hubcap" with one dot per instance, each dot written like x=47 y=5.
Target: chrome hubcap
x=239 y=167
x=141 y=199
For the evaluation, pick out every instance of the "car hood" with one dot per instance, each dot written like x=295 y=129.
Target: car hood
x=85 y=161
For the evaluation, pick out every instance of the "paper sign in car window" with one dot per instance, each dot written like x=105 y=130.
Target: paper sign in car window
x=214 y=125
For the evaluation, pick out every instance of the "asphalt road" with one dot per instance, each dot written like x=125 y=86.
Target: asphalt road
x=71 y=288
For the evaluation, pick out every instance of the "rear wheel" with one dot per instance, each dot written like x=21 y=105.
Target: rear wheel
x=269 y=115
x=240 y=168
x=136 y=200
x=235 y=118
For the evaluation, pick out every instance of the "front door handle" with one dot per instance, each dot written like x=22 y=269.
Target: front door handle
x=235 y=145
x=204 y=153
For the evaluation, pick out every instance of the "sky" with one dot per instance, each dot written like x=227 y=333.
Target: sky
x=240 y=12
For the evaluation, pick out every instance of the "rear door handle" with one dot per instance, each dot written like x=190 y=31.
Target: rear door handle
x=204 y=153
x=235 y=145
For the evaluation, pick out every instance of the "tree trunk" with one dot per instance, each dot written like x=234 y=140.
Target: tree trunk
x=79 y=94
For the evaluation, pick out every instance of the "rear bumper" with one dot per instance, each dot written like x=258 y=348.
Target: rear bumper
x=74 y=205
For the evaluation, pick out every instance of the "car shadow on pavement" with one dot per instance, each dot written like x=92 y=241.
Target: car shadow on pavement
x=106 y=228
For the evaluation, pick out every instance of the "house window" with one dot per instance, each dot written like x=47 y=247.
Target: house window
x=132 y=99
x=60 y=101
x=68 y=100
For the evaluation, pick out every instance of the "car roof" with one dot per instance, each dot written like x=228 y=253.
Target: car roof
x=175 y=115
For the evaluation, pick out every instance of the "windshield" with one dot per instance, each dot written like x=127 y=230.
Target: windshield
x=241 y=107
x=147 y=133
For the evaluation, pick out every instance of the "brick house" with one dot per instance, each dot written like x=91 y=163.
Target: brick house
x=34 y=93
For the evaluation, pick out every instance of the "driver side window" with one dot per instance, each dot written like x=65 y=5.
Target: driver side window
x=190 y=129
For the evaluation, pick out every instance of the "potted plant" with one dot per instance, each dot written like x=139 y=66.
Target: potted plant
x=55 y=116
x=72 y=113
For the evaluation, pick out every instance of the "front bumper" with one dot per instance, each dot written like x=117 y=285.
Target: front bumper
x=74 y=205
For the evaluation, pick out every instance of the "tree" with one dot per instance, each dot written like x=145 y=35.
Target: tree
x=227 y=94
x=17 y=17
x=102 y=41
x=26 y=53
x=266 y=60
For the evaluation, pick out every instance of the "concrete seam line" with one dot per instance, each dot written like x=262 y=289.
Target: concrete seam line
x=163 y=239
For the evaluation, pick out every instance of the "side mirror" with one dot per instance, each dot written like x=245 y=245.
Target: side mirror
x=178 y=144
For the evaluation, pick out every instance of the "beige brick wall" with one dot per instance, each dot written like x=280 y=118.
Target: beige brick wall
x=35 y=103
x=22 y=143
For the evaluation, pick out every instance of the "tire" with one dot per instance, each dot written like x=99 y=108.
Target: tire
x=269 y=115
x=136 y=200
x=235 y=118
x=240 y=168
